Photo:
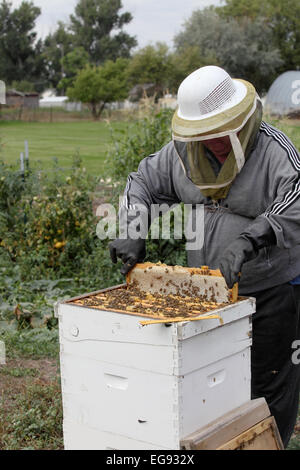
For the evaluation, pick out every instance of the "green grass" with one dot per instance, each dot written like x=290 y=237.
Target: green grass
x=58 y=140
x=290 y=127
x=91 y=140
x=35 y=422
x=34 y=344
x=19 y=372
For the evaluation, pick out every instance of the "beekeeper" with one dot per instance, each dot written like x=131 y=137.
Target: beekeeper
x=246 y=174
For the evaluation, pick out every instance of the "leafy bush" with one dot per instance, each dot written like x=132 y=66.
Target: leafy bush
x=48 y=245
x=35 y=344
x=140 y=139
x=47 y=225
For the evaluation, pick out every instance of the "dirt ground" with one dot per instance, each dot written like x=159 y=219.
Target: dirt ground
x=43 y=371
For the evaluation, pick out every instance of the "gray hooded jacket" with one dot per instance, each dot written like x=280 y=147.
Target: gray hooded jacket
x=267 y=190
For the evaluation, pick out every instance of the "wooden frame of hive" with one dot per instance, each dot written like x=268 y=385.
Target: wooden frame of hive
x=192 y=275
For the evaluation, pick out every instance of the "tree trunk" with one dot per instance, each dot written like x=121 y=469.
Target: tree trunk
x=94 y=111
x=97 y=110
x=101 y=108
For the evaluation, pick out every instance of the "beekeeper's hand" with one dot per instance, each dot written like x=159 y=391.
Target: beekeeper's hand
x=129 y=251
x=238 y=253
x=246 y=247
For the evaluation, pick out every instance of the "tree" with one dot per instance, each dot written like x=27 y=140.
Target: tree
x=164 y=69
x=97 y=86
x=281 y=16
x=72 y=63
x=152 y=64
x=20 y=52
x=186 y=61
x=241 y=8
x=56 y=46
x=244 y=48
x=23 y=86
x=93 y=23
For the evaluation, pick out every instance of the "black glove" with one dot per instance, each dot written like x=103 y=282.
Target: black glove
x=238 y=253
x=130 y=251
x=245 y=248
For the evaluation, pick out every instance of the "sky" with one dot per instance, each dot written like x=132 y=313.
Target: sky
x=153 y=20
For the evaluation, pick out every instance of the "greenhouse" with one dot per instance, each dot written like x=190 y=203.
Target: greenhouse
x=283 y=98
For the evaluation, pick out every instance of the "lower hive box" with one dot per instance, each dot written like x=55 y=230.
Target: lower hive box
x=147 y=363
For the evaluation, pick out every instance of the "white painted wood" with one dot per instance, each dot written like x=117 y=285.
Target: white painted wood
x=229 y=314
x=112 y=326
x=214 y=345
x=133 y=403
x=210 y=392
x=95 y=439
x=157 y=359
x=149 y=387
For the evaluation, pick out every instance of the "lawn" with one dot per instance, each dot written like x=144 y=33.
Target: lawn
x=91 y=140
x=57 y=140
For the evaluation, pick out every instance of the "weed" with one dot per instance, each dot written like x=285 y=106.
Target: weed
x=36 y=343
x=19 y=372
x=35 y=422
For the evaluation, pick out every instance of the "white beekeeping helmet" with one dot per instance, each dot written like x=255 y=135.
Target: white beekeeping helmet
x=210 y=105
x=207 y=92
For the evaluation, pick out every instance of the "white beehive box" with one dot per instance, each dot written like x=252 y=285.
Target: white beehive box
x=126 y=386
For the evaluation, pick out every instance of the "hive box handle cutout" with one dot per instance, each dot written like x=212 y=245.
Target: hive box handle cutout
x=114 y=381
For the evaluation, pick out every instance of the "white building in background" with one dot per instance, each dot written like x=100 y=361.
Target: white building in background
x=126 y=104
x=50 y=101
x=53 y=102
x=50 y=92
